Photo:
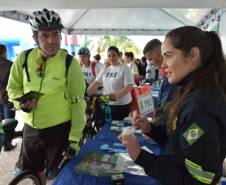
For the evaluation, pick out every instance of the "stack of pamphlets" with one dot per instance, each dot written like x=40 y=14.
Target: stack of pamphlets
x=127 y=121
x=101 y=164
x=117 y=125
x=114 y=147
x=130 y=166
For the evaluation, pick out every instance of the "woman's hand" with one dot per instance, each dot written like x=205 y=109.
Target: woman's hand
x=113 y=97
x=132 y=144
x=89 y=91
x=92 y=88
x=141 y=122
x=120 y=93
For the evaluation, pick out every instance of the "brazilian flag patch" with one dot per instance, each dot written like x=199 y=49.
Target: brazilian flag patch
x=193 y=133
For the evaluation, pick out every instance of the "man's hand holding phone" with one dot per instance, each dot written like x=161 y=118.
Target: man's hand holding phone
x=28 y=105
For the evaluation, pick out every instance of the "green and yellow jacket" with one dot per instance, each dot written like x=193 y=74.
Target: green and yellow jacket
x=63 y=97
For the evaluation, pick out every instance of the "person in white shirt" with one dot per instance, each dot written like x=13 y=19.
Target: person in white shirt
x=129 y=59
x=90 y=69
x=96 y=59
x=117 y=81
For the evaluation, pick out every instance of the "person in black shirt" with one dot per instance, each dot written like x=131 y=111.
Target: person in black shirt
x=6 y=107
x=195 y=136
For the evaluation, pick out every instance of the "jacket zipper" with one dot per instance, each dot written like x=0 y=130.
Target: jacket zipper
x=44 y=70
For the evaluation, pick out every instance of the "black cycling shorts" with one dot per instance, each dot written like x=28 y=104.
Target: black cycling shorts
x=42 y=148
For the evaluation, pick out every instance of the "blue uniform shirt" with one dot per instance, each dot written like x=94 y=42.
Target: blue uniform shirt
x=167 y=92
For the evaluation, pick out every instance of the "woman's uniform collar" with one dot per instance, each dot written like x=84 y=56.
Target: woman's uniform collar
x=189 y=77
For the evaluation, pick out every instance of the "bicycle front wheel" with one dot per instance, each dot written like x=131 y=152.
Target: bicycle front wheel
x=26 y=177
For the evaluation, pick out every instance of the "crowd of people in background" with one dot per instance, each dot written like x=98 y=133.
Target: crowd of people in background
x=142 y=68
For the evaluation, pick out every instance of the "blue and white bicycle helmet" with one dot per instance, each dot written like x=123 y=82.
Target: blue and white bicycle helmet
x=84 y=51
x=45 y=20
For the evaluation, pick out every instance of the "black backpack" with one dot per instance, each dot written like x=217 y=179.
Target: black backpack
x=69 y=59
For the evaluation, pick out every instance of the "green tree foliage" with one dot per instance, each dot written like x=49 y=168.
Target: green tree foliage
x=122 y=42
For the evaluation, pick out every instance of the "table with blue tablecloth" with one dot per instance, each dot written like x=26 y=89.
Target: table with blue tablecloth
x=68 y=176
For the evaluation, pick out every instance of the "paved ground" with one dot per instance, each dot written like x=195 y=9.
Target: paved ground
x=7 y=162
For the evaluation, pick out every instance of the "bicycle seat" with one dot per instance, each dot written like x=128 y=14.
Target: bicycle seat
x=9 y=124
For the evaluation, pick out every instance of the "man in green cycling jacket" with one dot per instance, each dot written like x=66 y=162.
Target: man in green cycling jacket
x=58 y=116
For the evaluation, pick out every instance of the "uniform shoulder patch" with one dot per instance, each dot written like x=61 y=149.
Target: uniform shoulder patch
x=193 y=133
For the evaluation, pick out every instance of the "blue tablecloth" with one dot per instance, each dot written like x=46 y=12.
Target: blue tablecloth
x=69 y=177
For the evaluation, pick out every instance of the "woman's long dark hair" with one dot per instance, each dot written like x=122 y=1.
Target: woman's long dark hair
x=212 y=70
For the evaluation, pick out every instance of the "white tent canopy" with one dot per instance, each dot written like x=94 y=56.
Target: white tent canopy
x=97 y=4
x=103 y=17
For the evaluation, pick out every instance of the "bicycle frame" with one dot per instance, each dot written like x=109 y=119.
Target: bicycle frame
x=94 y=115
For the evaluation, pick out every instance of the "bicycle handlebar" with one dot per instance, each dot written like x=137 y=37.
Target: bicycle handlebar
x=104 y=98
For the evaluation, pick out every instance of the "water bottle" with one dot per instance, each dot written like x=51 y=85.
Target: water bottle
x=107 y=111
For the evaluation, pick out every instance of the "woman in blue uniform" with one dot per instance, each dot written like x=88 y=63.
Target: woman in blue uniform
x=195 y=134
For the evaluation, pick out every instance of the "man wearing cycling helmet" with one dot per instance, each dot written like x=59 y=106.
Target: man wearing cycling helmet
x=58 y=115
x=90 y=69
